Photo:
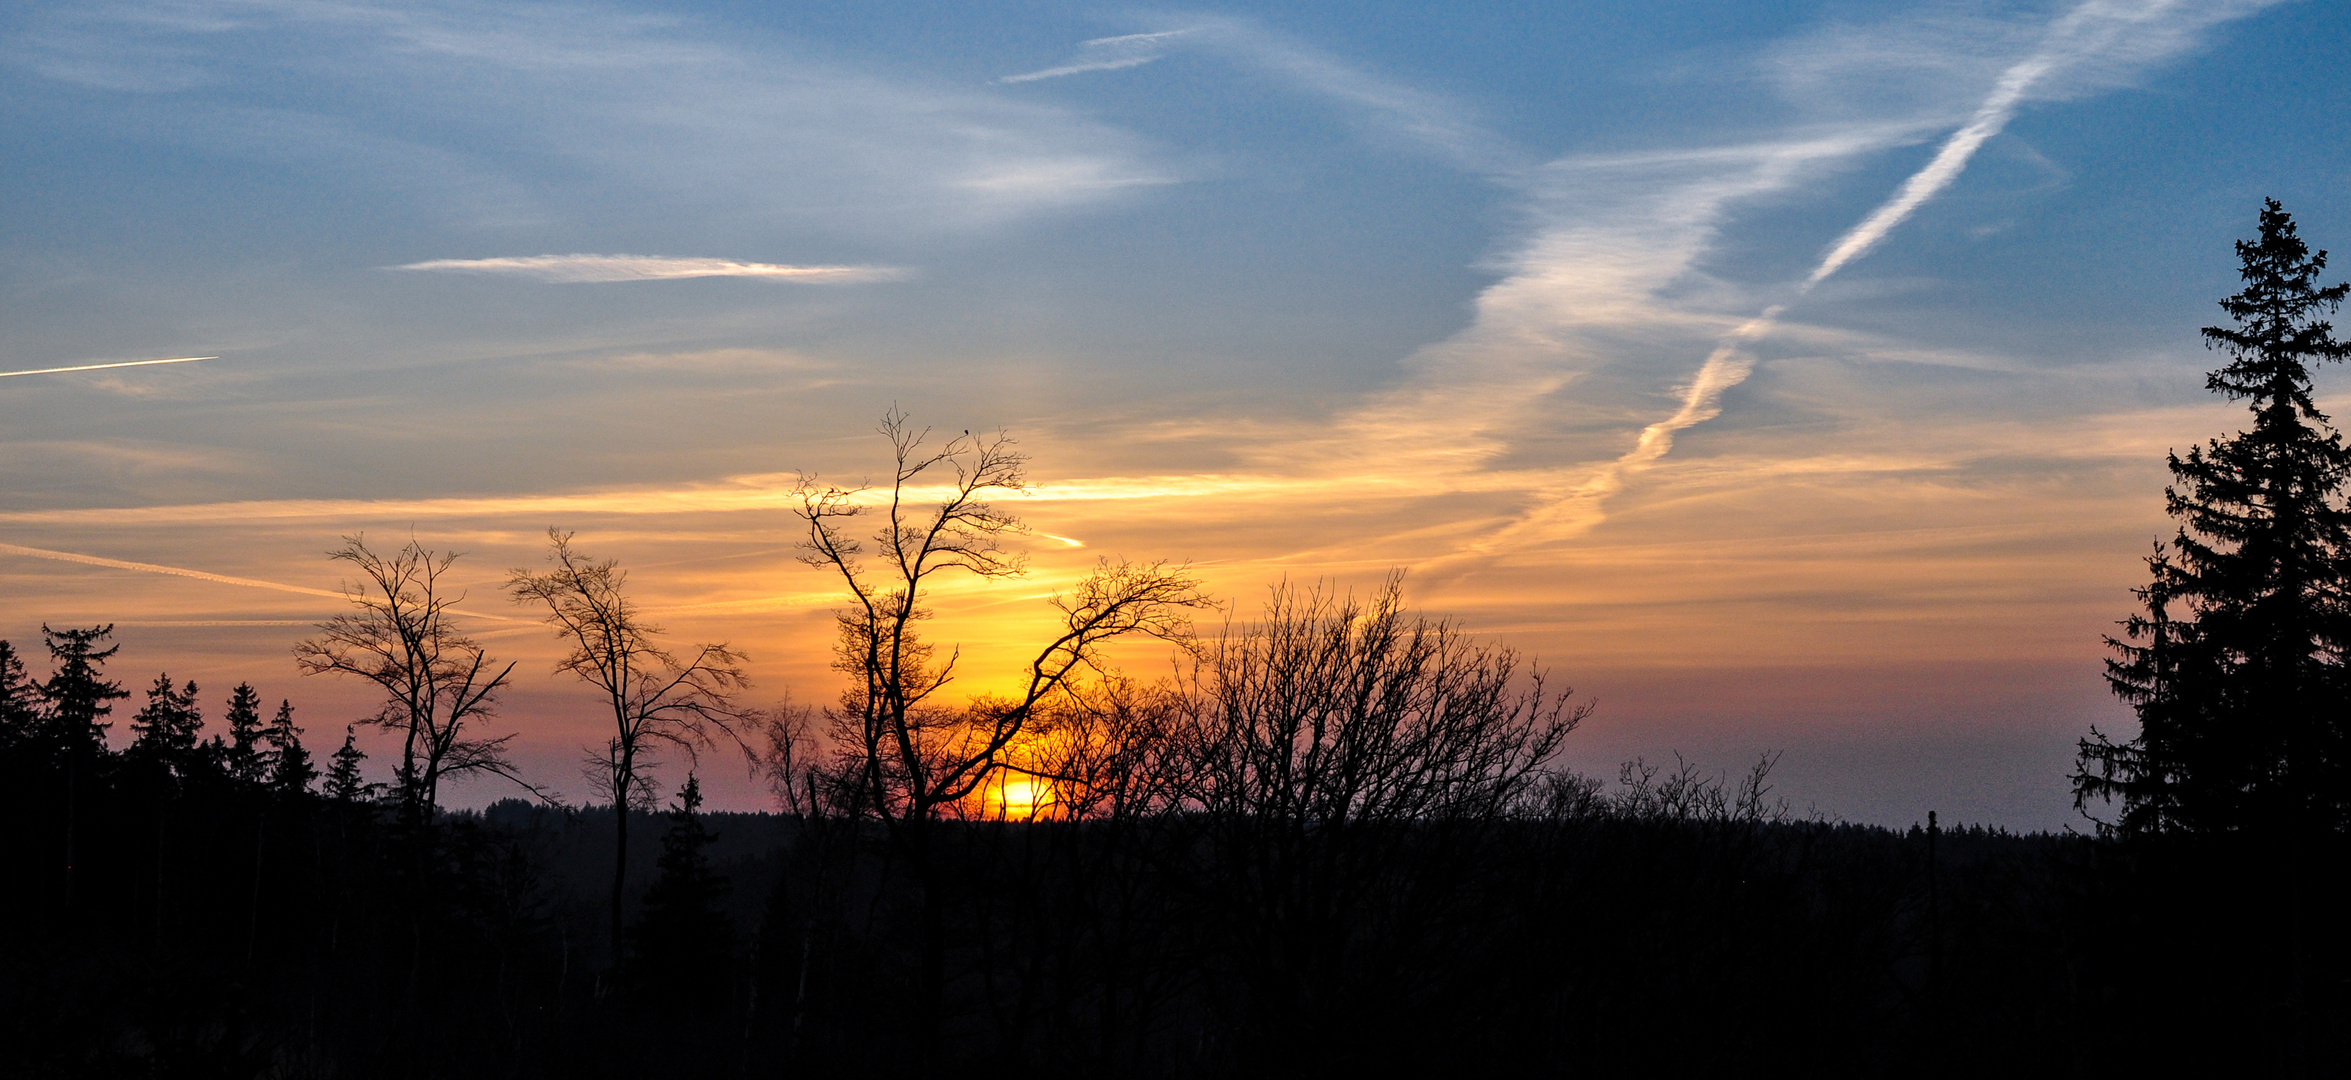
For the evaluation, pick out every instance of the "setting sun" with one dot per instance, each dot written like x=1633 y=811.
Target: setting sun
x=1023 y=796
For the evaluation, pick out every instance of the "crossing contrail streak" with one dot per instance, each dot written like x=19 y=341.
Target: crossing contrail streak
x=202 y=575
x=152 y=568
x=102 y=367
x=2100 y=22
x=2094 y=28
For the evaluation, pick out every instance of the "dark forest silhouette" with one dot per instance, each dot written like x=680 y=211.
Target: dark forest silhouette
x=1337 y=842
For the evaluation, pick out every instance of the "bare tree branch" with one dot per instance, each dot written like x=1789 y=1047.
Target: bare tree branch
x=438 y=683
x=656 y=700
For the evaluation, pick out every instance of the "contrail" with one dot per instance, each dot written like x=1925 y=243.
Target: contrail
x=2084 y=32
x=202 y=575
x=102 y=367
x=151 y=568
x=1577 y=509
x=1990 y=117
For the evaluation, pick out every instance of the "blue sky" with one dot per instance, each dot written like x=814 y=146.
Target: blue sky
x=1314 y=292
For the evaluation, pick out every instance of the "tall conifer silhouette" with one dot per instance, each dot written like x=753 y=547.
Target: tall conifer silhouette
x=242 y=755
x=169 y=728
x=344 y=785
x=20 y=700
x=77 y=694
x=684 y=943
x=290 y=768
x=2235 y=666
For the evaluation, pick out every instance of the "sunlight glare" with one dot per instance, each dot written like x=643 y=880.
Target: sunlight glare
x=1022 y=796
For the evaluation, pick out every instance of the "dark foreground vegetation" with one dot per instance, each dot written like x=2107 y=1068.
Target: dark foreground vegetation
x=1336 y=843
x=216 y=923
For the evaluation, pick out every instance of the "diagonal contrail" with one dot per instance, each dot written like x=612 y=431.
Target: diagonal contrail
x=152 y=568
x=2097 y=22
x=102 y=367
x=203 y=575
x=2089 y=30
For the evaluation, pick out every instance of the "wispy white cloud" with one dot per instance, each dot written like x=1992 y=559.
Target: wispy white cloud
x=1428 y=121
x=749 y=493
x=1107 y=54
x=1042 y=176
x=1593 y=299
x=476 y=110
x=606 y=268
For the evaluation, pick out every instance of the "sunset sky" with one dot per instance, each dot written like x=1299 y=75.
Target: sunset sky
x=1784 y=377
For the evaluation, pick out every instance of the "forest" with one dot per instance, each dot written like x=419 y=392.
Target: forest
x=1338 y=841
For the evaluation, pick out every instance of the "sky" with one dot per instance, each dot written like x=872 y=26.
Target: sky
x=1789 y=379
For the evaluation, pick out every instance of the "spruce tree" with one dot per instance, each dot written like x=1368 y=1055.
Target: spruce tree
x=290 y=770
x=77 y=695
x=2236 y=666
x=684 y=943
x=20 y=702
x=71 y=733
x=169 y=728
x=343 y=784
x=242 y=756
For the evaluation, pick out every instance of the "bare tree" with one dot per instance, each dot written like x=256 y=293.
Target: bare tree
x=916 y=757
x=439 y=685
x=806 y=783
x=1083 y=943
x=657 y=700
x=1348 y=764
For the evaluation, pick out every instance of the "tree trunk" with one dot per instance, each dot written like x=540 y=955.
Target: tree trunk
x=160 y=808
x=72 y=810
x=931 y=988
x=253 y=904
x=620 y=864
x=934 y=973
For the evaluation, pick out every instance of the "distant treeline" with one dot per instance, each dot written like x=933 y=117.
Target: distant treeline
x=205 y=907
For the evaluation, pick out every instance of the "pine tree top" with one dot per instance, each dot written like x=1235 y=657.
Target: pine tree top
x=2276 y=333
x=170 y=725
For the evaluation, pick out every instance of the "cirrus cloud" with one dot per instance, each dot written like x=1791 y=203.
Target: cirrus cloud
x=1106 y=54
x=572 y=269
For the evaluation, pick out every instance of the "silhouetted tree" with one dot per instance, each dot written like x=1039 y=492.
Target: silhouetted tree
x=170 y=730
x=241 y=755
x=20 y=701
x=685 y=942
x=290 y=770
x=439 y=685
x=656 y=700
x=78 y=697
x=168 y=757
x=70 y=731
x=344 y=784
x=2236 y=667
x=1347 y=762
x=916 y=757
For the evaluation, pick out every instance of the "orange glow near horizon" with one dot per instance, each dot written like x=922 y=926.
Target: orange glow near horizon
x=1727 y=564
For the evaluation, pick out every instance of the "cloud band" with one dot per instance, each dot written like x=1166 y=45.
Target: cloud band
x=577 y=269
